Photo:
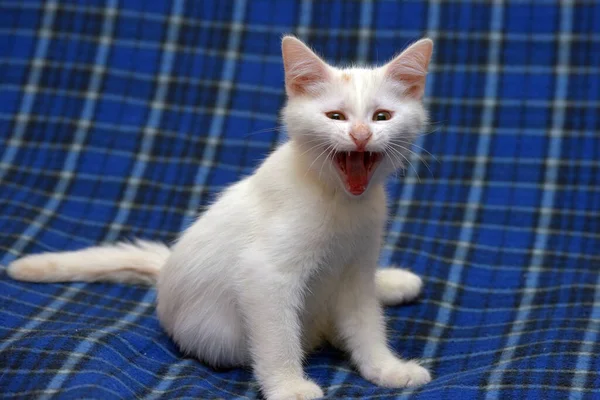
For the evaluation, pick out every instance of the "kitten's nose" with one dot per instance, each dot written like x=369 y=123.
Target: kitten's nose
x=360 y=135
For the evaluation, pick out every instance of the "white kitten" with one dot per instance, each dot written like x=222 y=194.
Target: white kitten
x=287 y=257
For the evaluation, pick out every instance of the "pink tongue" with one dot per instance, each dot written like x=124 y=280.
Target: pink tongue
x=356 y=172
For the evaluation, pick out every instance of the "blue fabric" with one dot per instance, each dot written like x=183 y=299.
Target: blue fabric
x=122 y=119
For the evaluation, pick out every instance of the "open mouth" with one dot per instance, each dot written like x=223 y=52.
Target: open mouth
x=356 y=169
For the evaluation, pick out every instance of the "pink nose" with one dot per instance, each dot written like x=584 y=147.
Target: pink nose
x=360 y=135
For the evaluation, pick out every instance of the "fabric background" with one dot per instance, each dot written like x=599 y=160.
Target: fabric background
x=122 y=119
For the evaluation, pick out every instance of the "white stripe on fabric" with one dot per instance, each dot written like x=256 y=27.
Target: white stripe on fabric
x=123 y=99
x=216 y=125
x=108 y=25
x=590 y=339
x=304 y=23
x=33 y=79
x=273 y=28
x=70 y=164
x=191 y=80
x=475 y=192
x=364 y=31
x=541 y=239
x=153 y=125
x=43 y=316
x=384 y=34
x=547 y=202
x=89 y=343
x=584 y=358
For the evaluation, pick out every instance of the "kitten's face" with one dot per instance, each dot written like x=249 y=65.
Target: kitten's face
x=354 y=125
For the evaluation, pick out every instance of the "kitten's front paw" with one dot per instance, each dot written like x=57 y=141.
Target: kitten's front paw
x=295 y=390
x=396 y=373
x=396 y=286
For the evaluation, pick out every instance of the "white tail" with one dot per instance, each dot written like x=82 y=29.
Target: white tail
x=137 y=262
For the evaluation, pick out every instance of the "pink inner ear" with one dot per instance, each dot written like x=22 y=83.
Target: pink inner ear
x=410 y=68
x=301 y=84
x=304 y=70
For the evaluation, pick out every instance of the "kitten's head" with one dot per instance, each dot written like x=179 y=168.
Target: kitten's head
x=354 y=125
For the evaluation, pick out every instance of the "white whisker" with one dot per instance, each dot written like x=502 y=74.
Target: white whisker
x=267 y=130
x=315 y=160
x=393 y=145
x=421 y=148
x=407 y=160
x=319 y=144
x=327 y=156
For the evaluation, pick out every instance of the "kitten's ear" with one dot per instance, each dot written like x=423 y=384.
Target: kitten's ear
x=304 y=70
x=410 y=68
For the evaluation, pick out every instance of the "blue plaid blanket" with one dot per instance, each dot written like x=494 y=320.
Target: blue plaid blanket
x=122 y=119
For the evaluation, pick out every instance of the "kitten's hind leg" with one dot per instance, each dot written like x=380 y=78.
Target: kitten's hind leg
x=396 y=286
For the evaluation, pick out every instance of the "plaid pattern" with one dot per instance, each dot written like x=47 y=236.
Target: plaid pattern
x=122 y=119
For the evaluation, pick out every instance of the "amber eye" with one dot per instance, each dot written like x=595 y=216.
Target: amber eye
x=382 y=115
x=338 y=116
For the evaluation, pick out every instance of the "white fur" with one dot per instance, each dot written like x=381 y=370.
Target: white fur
x=286 y=257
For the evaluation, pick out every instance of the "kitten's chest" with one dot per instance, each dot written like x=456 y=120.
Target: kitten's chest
x=331 y=234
